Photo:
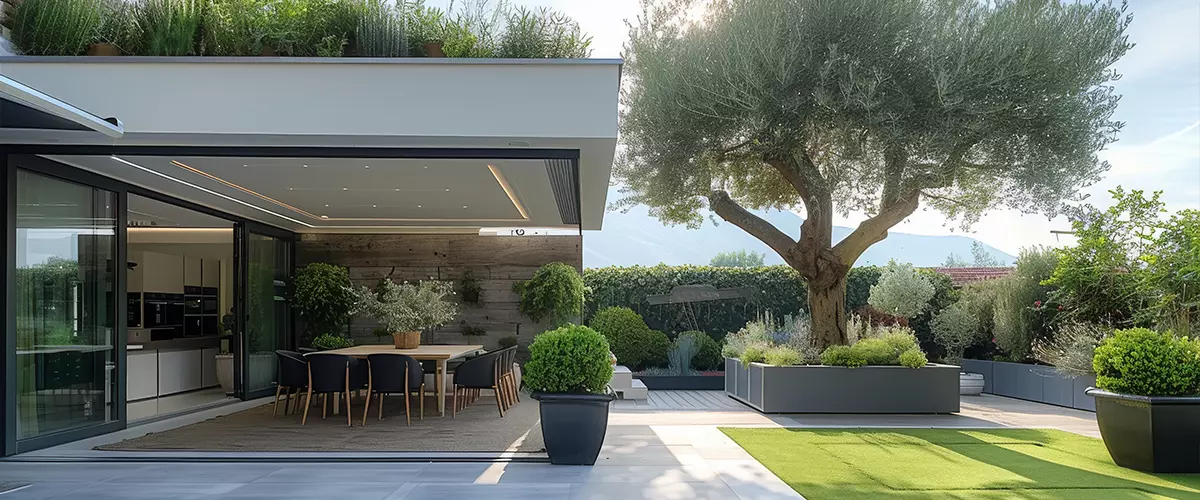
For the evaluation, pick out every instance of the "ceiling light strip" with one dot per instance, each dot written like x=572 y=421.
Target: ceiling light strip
x=512 y=196
x=206 y=190
x=240 y=188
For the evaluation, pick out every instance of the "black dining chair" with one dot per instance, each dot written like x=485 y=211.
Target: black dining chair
x=329 y=374
x=508 y=379
x=475 y=374
x=392 y=374
x=292 y=376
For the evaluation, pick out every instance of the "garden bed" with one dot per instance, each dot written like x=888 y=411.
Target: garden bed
x=1038 y=383
x=836 y=389
x=708 y=381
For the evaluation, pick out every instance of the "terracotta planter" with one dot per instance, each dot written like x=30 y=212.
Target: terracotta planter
x=406 y=340
x=434 y=49
x=103 y=49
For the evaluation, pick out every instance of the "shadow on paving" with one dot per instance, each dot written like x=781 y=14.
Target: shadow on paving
x=948 y=463
x=478 y=428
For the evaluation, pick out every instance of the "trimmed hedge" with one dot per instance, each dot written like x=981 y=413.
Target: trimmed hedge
x=572 y=359
x=778 y=289
x=631 y=341
x=708 y=356
x=1147 y=363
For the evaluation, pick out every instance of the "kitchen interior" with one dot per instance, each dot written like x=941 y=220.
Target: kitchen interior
x=180 y=292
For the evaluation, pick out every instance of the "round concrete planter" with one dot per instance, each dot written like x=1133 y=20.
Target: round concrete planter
x=573 y=425
x=1150 y=433
x=970 y=384
x=225 y=372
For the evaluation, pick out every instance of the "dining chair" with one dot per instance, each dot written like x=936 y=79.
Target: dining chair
x=328 y=374
x=391 y=374
x=508 y=379
x=475 y=374
x=292 y=376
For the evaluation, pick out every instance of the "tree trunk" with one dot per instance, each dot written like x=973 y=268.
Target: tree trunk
x=827 y=303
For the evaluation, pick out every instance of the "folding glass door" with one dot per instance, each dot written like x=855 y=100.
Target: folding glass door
x=266 y=266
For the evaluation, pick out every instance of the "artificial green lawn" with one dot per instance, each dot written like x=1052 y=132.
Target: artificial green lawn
x=887 y=464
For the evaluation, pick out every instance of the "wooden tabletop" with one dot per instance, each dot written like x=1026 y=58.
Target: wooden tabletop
x=422 y=352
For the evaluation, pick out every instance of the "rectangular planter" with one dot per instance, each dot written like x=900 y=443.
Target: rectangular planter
x=1041 y=384
x=835 y=389
x=683 y=383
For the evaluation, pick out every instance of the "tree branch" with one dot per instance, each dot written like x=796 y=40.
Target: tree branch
x=724 y=206
x=875 y=229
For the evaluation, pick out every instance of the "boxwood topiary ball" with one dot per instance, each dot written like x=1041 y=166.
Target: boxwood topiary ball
x=572 y=359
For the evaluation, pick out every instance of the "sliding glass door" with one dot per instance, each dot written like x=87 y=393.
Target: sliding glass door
x=267 y=266
x=65 y=300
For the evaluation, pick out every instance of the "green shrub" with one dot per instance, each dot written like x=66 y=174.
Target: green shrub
x=754 y=353
x=901 y=291
x=1142 y=362
x=329 y=341
x=709 y=355
x=506 y=342
x=913 y=358
x=782 y=356
x=168 y=27
x=655 y=345
x=542 y=33
x=54 y=27
x=380 y=31
x=631 y=341
x=955 y=329
x=842 y=355
x=554 y=293
x=571 y=359
x=323 y=298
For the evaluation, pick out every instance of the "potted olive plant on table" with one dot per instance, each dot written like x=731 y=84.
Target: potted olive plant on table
x=406 y=309
x=1148 y=400
x=568 y=372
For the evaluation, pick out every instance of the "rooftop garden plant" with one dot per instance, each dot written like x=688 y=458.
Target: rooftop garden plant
x=554 y=293
x=408 y=307
x=293 y=28
x=1143 y=362
x=633 y=343
x=323 y=298
x=570 y=359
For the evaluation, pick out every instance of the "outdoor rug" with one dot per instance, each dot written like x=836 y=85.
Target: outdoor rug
x=991 y=464
x=478 y=428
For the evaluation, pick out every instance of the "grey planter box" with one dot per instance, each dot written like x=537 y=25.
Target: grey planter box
x=1036 y=383
x=836 y=389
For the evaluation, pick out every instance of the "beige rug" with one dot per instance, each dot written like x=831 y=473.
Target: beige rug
x=478 y=428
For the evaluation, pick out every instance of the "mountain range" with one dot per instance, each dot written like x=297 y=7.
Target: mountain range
x=636 y=238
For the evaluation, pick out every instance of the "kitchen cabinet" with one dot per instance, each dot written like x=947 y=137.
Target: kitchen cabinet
x=179 y=371
x=211 y=273
x=156 y=273
x=208 y=364
x=142 y=375
x=192 y=271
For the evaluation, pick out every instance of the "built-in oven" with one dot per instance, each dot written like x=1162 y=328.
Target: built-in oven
x=208 y=305
x=161 y=310
x=134 y=310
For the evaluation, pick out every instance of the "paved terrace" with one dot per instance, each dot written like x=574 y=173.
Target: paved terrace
x=666 y=448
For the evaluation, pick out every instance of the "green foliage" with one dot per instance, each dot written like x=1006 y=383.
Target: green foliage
x=571 y=359
x=884 y=348
x=234 y=27
x=168 y=27
x=901 y=291
x=542 y=33
x=955 y=329
x=470 y=289
x=858 y=286
x=116 y=23
x=54 y=27
x=408 y=307
x=632 y=342
x=332 y=46
x=777 y=289
x=323 y=298
x=843 y=355
x=739 y=258
x=1171 y=279
x=554 y=293
x=1022 y=313
x=983 y=258
x=506 y=342
x=380 y=31
x=300 y=27
x=470 y=330
x=1099 y=279
x=1146 y=363
x=754 y=353
x=1072 y=348
x=782 y=356
x=679 y=358
x=329 y=341
x=708 y=351
x=913 y=358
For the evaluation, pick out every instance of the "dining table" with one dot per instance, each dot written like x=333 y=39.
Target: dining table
x=439 y=353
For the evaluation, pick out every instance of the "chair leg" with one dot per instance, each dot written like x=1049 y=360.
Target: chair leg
x=307 y=405
x=287 y=400
x=422 y=402
x=349 y=421
x=324 y=406
x=367 y=405
x=499 y=404
x=454 y=408
x=278 y=389
x=381 y=406
x=407 y=418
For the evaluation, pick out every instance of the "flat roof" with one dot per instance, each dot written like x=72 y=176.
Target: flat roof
x=24 y=107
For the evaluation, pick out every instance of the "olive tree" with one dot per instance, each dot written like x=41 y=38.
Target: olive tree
x=862 y=106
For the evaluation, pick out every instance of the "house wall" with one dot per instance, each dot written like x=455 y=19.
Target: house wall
x=496 y=261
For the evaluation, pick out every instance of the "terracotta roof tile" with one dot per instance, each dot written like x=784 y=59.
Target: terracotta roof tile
x=963 y=275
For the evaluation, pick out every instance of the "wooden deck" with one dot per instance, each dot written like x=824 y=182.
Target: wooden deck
x=683 y=401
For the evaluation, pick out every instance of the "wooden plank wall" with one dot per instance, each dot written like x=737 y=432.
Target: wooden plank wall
x=497 y=262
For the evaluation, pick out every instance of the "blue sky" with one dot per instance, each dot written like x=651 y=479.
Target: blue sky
x=1159 y=149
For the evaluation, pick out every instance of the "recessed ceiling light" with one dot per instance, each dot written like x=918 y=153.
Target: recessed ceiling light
x=374 y=206
x=343 y=189
x=426 y=167
x=447 y=190
x=326 y=205
x=324 y=216
x=245 y=165
x=366 y=166
x=397 y=189
x=418 y=206
x=291 y=189
x=306 y=166
x=464 y=206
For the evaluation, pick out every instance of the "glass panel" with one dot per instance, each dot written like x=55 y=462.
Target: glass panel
x=267 y=324
x=65 y=304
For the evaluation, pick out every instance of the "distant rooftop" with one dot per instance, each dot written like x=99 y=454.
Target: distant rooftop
x=962 y=275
